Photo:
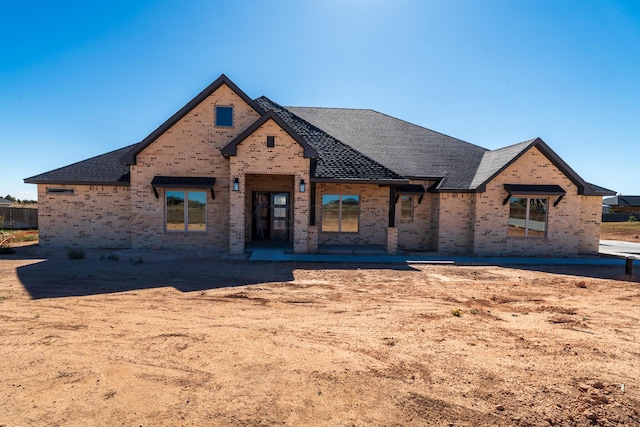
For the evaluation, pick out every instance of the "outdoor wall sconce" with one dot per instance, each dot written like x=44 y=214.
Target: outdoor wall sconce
x=236 y=184
x=303 y=186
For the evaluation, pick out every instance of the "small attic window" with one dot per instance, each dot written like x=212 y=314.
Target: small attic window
x=271 y=141
x=224 y=117
x=60 y=191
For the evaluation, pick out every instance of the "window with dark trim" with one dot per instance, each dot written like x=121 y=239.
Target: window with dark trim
x=186 y=210
x=528 y=217
x=406 y=208
x=224 y=116
x=60 y=191
x=340 y=213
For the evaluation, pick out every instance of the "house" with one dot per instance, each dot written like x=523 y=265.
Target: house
x=622 y=203
x=227 y=172
x=5 y=203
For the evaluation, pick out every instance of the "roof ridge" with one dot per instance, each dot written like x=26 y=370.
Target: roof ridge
x=527 y=142
x=333 y=108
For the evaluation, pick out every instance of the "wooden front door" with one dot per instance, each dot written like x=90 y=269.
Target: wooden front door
x=270 y=216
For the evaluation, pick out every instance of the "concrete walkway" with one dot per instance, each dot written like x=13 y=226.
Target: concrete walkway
x=279 y=255
x=620 y=248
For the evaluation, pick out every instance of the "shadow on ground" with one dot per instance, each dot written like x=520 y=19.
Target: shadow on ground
x=48 y=273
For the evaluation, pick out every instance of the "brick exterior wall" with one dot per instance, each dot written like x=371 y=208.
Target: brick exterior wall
x=572 y=226
x=454 y=223
x=455 y=226
x=416 y=234
x=373 y=219
x=254 y=159
x=189 y=148
x=590 y=220
x=94 y=216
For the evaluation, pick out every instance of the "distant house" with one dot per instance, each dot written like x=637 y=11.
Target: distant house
x=622 y=203
x=227 y=172
x=5 y=203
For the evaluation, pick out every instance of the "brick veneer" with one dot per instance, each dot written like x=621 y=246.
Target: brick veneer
x=416 y=234
x=374 y=218
x=253 y=159
x=189 y=148
x=455 y=213
x=572 y=225
x=121 y=216
x=94 y=216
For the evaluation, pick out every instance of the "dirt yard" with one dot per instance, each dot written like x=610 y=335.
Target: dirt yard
x=628 y=231
x=152 y=338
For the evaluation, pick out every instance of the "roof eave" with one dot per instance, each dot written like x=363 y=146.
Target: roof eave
x=583 y=187
x=361 y=181
x=75 y=182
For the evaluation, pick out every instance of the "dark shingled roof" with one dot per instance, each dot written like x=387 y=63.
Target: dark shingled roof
x=232 y=148
x=336 y=160
x=494 y=161
x=352 y=145
x=631 y=201
x=410 y=150
x=105 y=169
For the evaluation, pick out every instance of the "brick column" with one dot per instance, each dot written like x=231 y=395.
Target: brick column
x=312 y=235
x=236 y=218
x=392 y=240
x=300 y=216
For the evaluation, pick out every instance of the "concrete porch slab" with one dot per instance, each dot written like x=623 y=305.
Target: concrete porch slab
x=267 y=254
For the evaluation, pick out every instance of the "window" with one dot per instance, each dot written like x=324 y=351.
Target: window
x=340 y=213
x=271 y=141
x=406 y=208
x=60 y=191
x=224 y=117
x=528 y=217
x=189 y=216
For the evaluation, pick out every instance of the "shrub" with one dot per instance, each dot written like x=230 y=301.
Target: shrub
x=456 y=312
x=632 y=218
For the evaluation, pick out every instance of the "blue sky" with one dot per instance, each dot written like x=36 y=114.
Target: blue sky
x=80 y=78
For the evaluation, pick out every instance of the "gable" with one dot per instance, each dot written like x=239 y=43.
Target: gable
x=336 y=161
x=222 y=84
x=532 y=168
x=231 y=149
x=498 y=161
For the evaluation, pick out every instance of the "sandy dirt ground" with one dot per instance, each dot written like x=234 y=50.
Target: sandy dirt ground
x=153 y=338
x=624 y=231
